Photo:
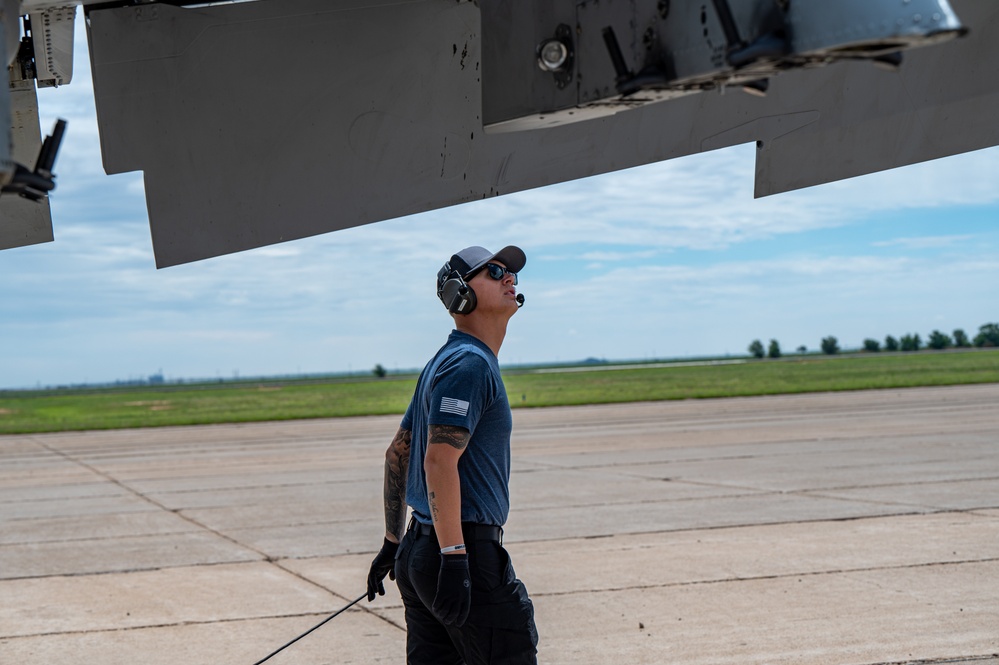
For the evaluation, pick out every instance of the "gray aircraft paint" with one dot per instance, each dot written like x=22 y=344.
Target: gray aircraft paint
x=260 y=122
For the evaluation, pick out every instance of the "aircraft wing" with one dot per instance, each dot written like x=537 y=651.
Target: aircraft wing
x=28 y=220
x=261 y=122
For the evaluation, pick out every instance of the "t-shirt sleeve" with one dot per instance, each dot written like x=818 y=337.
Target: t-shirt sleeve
x=407 y=420
x=461 y=392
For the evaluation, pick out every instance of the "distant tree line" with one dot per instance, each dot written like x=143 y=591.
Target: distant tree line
x=988 y=336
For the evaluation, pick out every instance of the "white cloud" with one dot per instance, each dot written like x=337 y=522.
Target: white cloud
x=616 y=256
x=926 y=242
x=705 y=202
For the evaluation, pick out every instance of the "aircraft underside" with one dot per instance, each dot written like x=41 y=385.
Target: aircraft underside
x=282 y=119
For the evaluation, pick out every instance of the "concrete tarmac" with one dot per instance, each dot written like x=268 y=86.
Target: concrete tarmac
x=852 y=528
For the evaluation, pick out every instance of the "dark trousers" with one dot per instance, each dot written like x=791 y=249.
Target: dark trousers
x=500 y=626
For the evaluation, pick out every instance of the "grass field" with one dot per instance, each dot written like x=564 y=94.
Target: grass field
x=49 y=411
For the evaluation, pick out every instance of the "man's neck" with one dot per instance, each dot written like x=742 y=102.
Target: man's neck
x=490 y=333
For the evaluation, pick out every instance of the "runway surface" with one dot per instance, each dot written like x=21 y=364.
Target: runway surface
x=852 y=528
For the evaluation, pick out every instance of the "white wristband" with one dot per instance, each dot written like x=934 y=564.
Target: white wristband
x=452 y=548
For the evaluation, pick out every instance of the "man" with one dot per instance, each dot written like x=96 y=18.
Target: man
x=450 y=462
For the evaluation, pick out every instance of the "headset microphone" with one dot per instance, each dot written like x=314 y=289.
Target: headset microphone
x=520 y=300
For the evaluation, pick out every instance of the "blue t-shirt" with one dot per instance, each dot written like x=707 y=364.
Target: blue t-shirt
x=462 y=386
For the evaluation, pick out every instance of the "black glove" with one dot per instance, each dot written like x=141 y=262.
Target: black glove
x=384 y=563
x=454 y=590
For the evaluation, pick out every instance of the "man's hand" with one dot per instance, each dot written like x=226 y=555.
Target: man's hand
x=454 y=590
x=383 y=564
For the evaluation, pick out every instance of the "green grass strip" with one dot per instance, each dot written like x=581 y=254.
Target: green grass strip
x=755 y=377
x=111 y=408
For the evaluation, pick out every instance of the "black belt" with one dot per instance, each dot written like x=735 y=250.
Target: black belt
x=470 y=530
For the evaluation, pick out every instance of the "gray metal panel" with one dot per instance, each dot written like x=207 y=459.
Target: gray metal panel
x=519 y=84
x=943 y=101
x=10 y=29
x=52 y=35
x=668 y=49
x=24 y=222
x=261 y=122
x=6 y=164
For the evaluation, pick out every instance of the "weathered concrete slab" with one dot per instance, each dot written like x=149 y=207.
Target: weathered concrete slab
x=547 y=488
x=113 y=504
x=880 y=616
x=165 y=486
x=93 y=527
x=954 y=495
x=310 y=494
x=59 y=491
x=43 y=470
x=756 y=552
x=643 y=517
x=120 y=554
x=345 y=576
x=314 y=539
x=356 y=637
x=170 y=596
x=840 y=529
x=830 y=470
x=280 y=514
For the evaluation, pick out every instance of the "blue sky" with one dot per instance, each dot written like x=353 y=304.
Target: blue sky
x=695 y=267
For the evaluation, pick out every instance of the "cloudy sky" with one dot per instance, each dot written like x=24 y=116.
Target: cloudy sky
x=696 y=267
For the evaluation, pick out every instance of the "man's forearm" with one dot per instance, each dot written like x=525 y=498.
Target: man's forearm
x=444 y=494
x=394 y=491
x=446 y=444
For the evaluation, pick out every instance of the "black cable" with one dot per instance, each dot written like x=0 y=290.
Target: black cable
x=322 y=623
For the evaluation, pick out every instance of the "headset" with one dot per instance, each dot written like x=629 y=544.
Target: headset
x=454 y=292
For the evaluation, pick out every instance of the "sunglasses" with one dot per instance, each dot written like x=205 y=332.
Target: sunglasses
x=498 y=272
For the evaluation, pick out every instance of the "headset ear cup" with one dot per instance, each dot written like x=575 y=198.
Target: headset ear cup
x=448 y=292
x=469 y=299
x=457 y=296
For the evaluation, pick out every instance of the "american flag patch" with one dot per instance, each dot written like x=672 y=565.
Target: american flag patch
x=455 y=406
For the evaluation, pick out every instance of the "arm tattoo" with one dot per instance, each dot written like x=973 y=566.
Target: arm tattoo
x=396 y=470
x=452 y=435
x=434 y=513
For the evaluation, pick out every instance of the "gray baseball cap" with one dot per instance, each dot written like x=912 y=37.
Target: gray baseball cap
x=471 y=259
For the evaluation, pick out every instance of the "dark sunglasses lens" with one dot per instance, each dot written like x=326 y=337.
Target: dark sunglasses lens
x=498 y=272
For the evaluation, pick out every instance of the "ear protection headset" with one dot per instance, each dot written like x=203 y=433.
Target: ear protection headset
x=454 y=292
